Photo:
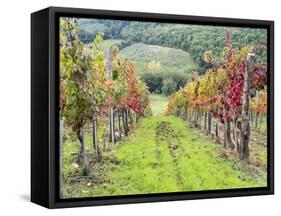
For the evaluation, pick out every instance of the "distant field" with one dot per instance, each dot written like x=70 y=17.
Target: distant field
x=167 y=60
x=151 y=58
x=158 y=103
x=166 y=56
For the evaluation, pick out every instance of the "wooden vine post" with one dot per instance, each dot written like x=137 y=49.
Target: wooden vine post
x=95 y=136
x=209 y=127
x=245 y=124
x=111 y=112
x=83 y=156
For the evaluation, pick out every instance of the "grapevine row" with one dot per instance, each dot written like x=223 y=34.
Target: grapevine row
x=98 y=90
x=231 y=91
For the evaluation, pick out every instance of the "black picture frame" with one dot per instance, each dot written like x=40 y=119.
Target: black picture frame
x=45 y=112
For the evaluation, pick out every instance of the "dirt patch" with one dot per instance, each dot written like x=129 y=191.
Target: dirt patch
x=86 y=180
x=170 y=136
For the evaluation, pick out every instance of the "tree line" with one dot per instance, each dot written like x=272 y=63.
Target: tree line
x=194 y=39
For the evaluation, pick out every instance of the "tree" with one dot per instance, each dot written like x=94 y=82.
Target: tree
x=169 y=87
x=154 y=81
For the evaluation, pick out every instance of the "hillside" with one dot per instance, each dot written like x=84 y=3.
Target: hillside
x=194 y=39
x=163 y=69
x=166 y=56
x=105 y=44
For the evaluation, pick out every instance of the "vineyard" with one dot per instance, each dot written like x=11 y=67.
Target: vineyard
x=144 y=53
x=120 y=134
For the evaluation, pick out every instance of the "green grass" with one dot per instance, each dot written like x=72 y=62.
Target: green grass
x=262 y=127
x=158 y=103
x=178 y=159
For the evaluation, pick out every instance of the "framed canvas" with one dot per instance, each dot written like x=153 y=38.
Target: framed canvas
x=138 y=107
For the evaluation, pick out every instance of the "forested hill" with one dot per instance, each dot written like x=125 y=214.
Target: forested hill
x=192 y=38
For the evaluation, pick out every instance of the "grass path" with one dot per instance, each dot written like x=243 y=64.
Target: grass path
x=164 y=155
x=158 y=104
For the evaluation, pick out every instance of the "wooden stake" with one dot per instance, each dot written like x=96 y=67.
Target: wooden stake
x=245 y=124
